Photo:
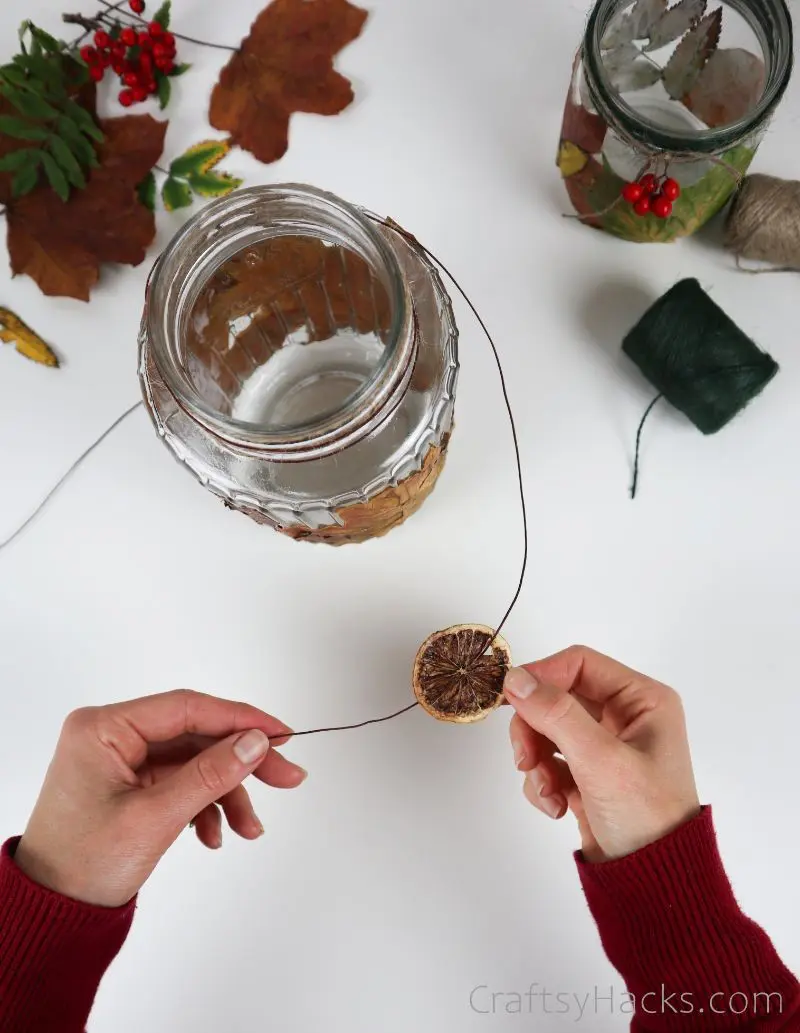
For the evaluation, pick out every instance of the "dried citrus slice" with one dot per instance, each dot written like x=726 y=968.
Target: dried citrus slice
x=458 y=676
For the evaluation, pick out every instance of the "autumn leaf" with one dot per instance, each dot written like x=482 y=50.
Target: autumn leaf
x=571 y=159
x=728 y=88
x=678 y=20
x=285 y=65
x=637 y=23
x=582 y=127
x=691 y=55
x=30 y=344
x=61 y=245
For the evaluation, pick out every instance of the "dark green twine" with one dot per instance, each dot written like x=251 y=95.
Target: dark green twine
x=698 y=360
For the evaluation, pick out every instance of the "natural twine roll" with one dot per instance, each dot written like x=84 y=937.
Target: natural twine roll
x=764 y=222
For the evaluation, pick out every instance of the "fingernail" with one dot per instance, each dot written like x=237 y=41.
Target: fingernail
x=553 y=806
x=251 y=746
x=519 y=683
x=519 y=752
x=303 y=774
x=539 y=782
x=259 y=829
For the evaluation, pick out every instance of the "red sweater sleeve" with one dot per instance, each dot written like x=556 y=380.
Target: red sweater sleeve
x=53 y=953
x=691 y=960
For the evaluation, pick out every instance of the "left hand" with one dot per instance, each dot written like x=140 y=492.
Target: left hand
x=126 y=779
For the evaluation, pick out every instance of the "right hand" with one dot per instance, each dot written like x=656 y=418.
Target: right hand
x=606 y=742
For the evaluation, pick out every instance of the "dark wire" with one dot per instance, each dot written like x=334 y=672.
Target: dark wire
x=69 y=473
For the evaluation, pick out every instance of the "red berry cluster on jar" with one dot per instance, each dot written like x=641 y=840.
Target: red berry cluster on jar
x=138 y=58
x=651 y=194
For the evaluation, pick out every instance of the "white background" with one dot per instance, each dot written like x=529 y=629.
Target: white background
x=409 y=869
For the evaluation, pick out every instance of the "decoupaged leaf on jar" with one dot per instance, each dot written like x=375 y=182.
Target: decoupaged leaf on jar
x=677 y=20
x=691 y=55
x=285 y=65
x=637 y=23
x=26 y=341
x=728 y=89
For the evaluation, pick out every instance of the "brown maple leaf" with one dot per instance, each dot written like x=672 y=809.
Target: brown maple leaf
x=61 y=245
x=285 y=65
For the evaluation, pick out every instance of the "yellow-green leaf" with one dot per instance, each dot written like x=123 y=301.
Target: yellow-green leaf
x=213 y=184
x=30 y=344
x=175 y=194
x=200 y=158
x=571 y=159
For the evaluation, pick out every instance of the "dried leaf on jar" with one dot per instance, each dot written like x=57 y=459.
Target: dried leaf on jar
x=728 y=89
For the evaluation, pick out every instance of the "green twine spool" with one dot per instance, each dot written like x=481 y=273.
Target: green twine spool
x=697 y=358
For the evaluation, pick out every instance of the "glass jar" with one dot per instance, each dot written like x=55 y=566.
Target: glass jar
x=682 y=94
x=299 y=357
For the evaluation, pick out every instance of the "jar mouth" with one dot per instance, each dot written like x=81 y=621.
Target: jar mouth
x=772 y=24
x=271 y=264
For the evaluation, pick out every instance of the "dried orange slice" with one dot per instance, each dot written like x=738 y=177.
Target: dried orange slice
x=458 y=676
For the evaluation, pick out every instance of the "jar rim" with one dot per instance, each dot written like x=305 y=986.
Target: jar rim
x=711 y=141
x=165 y=308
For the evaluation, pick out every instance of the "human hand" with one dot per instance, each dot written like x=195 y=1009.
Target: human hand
x=126 y=780
x=624 y=768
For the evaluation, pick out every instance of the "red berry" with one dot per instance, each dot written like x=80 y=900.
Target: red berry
x=146 y=62
x=144 y=41
x=661 y=207
x=118 y=50
x=642 y=206
x=648 y=183
x=671 y=189
x=152 y=86
x=96 y=72
x=128 y=37
x=104 y=59
x=130 y=79
x=126 y=98
x=118 y=66
x=633 y=192
x=137 y=6
x=168 y=40
x=160 y=51
x=89 y=55
x=155 y=29
x=140 y=93
x=167 y=67
x=102 y=40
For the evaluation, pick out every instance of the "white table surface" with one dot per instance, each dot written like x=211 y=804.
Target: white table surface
x=409 y=868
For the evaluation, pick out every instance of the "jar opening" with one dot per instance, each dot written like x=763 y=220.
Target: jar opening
x=741 y=50
x=279 y=318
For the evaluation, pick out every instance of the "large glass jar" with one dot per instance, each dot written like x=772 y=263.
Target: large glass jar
x=300 y=359
x=682 y=93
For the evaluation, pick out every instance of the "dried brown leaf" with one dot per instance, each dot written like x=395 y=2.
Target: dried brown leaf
x=62 y=245
x=728 y=88
x=285 y=65
x=27 y=341
x=691 y=55
x=637 y=23
x=678 y=19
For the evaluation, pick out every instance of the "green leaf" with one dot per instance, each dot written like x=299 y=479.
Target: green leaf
x=29 y=156
x=147 y=191
x=25 y=180
x=179 y=70
x=164 y=91
x=80 y=146
x=200 y=158
x=43 y=68
x=213 y=184
x=48 y=42
x=13 y=75
x=84 y=120
x=163 y=14
x=29 y=103
x=56 y=178
x=21 y=130
x=175 y=194
x=67 y=161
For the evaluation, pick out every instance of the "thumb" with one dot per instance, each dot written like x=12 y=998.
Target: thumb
x=210 y=775
x=559 y=716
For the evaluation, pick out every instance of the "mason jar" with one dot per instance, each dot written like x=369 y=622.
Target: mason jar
x=299 y=357
x=673 y=100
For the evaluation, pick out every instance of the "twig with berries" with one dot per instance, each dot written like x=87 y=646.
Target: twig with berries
x=144 y=61
x=651 y=193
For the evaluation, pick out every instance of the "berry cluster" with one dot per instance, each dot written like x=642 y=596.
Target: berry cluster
x=649 y=194
x=136 y=57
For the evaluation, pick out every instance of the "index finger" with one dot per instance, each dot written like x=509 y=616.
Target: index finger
x=587 y=673
x=160 y=718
